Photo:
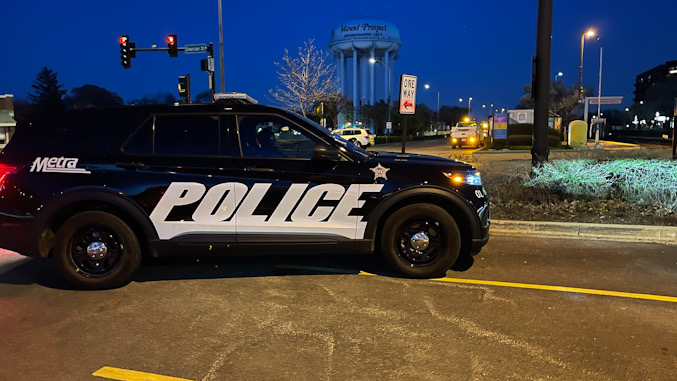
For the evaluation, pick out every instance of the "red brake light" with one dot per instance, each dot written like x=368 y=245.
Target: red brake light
x=5 y=170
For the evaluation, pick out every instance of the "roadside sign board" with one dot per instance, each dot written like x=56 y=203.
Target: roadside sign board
x=500 y=126
x=196 y=48
x=407 y=94
x=389 y=126
x=606 y=100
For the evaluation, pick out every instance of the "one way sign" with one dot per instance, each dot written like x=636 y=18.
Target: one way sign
x=407 y=94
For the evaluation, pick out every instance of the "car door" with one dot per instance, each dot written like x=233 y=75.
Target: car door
x=169 y=167
x=293 y=200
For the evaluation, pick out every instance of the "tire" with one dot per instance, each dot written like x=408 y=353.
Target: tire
x=422 y=221
x=96 y=250
x=357 y=143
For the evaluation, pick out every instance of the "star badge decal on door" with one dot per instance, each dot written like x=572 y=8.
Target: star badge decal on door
x=380 y=171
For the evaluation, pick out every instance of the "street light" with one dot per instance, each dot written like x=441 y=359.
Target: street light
x=469 y=100
x=588 y=33
x=560 y=74
x=437 y=123
x=372 y=61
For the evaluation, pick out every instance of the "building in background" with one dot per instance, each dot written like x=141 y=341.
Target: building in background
x=7 y=122
x=365 y=49
x=658 y=74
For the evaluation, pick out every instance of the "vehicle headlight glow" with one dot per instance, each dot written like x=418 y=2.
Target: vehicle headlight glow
x=470 y=178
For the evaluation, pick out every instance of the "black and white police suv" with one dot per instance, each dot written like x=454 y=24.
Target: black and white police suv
x=98 y=189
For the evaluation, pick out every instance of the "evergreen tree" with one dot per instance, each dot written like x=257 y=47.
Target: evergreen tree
x=48 y=91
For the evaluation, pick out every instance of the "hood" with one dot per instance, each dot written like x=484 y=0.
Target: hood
x=411 y=158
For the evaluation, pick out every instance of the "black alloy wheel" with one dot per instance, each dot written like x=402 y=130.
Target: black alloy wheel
x=96 y=250
x=420 y=240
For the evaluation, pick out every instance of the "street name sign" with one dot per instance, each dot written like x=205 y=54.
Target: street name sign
x=605 y=100
x=407 y=94
x=196 y=48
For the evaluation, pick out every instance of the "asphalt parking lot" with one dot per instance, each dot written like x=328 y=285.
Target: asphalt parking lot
x=325 y=317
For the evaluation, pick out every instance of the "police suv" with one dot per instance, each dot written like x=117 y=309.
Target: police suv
x=98 y=189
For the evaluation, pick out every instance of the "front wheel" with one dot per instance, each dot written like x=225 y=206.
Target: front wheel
x=96 y=250
x=357 y=143
x=420 y=241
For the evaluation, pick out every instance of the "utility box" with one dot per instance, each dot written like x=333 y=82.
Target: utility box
x=578 y=134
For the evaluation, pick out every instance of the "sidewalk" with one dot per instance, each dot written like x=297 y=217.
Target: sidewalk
x=600 y=232
x=606 y=148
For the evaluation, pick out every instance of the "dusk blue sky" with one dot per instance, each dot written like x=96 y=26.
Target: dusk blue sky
x=481 y=49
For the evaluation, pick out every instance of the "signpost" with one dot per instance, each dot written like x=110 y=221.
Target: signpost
x=407 y=102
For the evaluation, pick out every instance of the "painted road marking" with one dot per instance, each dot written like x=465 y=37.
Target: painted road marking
x=577 y=290
x=132 y=375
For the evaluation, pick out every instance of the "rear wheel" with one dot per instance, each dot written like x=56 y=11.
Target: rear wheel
x=96 y=250
x=357 y=143
x=420 y=241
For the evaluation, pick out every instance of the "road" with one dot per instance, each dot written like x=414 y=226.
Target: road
x=327 y=318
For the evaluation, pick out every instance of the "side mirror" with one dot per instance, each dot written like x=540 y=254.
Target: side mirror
x=325 y=152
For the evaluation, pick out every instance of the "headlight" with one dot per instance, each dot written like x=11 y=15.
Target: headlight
x=470 y=178
x=472 y=140
x=453 y=140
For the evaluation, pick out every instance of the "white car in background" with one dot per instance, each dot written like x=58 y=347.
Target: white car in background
x=358 y=136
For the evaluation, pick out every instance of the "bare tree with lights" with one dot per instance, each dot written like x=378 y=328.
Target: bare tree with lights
x=306 y=80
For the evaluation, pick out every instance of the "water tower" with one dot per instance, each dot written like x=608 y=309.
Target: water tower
x=354 y=43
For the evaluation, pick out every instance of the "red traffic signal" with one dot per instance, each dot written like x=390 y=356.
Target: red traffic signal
x=172 y=45
x=125 y=52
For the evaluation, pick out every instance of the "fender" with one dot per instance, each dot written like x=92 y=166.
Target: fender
x=423 y=191
x=44 y=218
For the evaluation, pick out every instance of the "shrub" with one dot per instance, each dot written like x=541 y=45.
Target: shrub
x=645 y=182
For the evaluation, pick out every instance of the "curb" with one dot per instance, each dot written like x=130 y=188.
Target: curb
x=574 y=230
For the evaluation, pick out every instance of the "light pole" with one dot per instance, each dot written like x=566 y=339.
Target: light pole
x=560 y=74
x=390 y=73
x=588 y=33
x=437 y=122
x=469 y=100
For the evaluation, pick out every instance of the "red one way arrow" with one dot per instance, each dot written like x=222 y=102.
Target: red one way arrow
x=407 y=104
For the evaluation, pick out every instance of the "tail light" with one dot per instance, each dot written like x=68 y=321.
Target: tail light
x=5 y=170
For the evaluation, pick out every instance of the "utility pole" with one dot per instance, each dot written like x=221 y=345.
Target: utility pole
x=539 y=152
x=223 y=81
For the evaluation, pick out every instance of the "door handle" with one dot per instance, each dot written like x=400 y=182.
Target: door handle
x=256 y=169
x=130 y=165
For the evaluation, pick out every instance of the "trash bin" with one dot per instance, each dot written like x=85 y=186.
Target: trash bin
x=577 y=136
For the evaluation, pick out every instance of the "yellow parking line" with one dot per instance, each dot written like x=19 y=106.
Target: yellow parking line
x=132 y=375
x=633 y=295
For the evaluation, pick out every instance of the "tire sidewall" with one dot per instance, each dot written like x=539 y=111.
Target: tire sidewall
x=129 y=260
x=451 y=241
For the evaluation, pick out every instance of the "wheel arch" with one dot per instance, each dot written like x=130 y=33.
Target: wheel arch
x=459 y=209
x=59 y=209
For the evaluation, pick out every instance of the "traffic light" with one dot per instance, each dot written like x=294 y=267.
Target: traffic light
x=184 y=88
x=125 y=52
x=172 y=45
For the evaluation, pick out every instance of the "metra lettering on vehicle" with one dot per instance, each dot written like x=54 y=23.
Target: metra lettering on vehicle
x=228 y=178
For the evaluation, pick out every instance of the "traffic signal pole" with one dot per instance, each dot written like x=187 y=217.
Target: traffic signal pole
x=128 y=51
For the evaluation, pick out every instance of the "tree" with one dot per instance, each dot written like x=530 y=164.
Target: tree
x=305 y=80
x=333 y=107
x=452 y=114
x=165 y=98
x=48 y=91
x=563 y=100
x=377 y=113
x=92 y=96
x=203 y=97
